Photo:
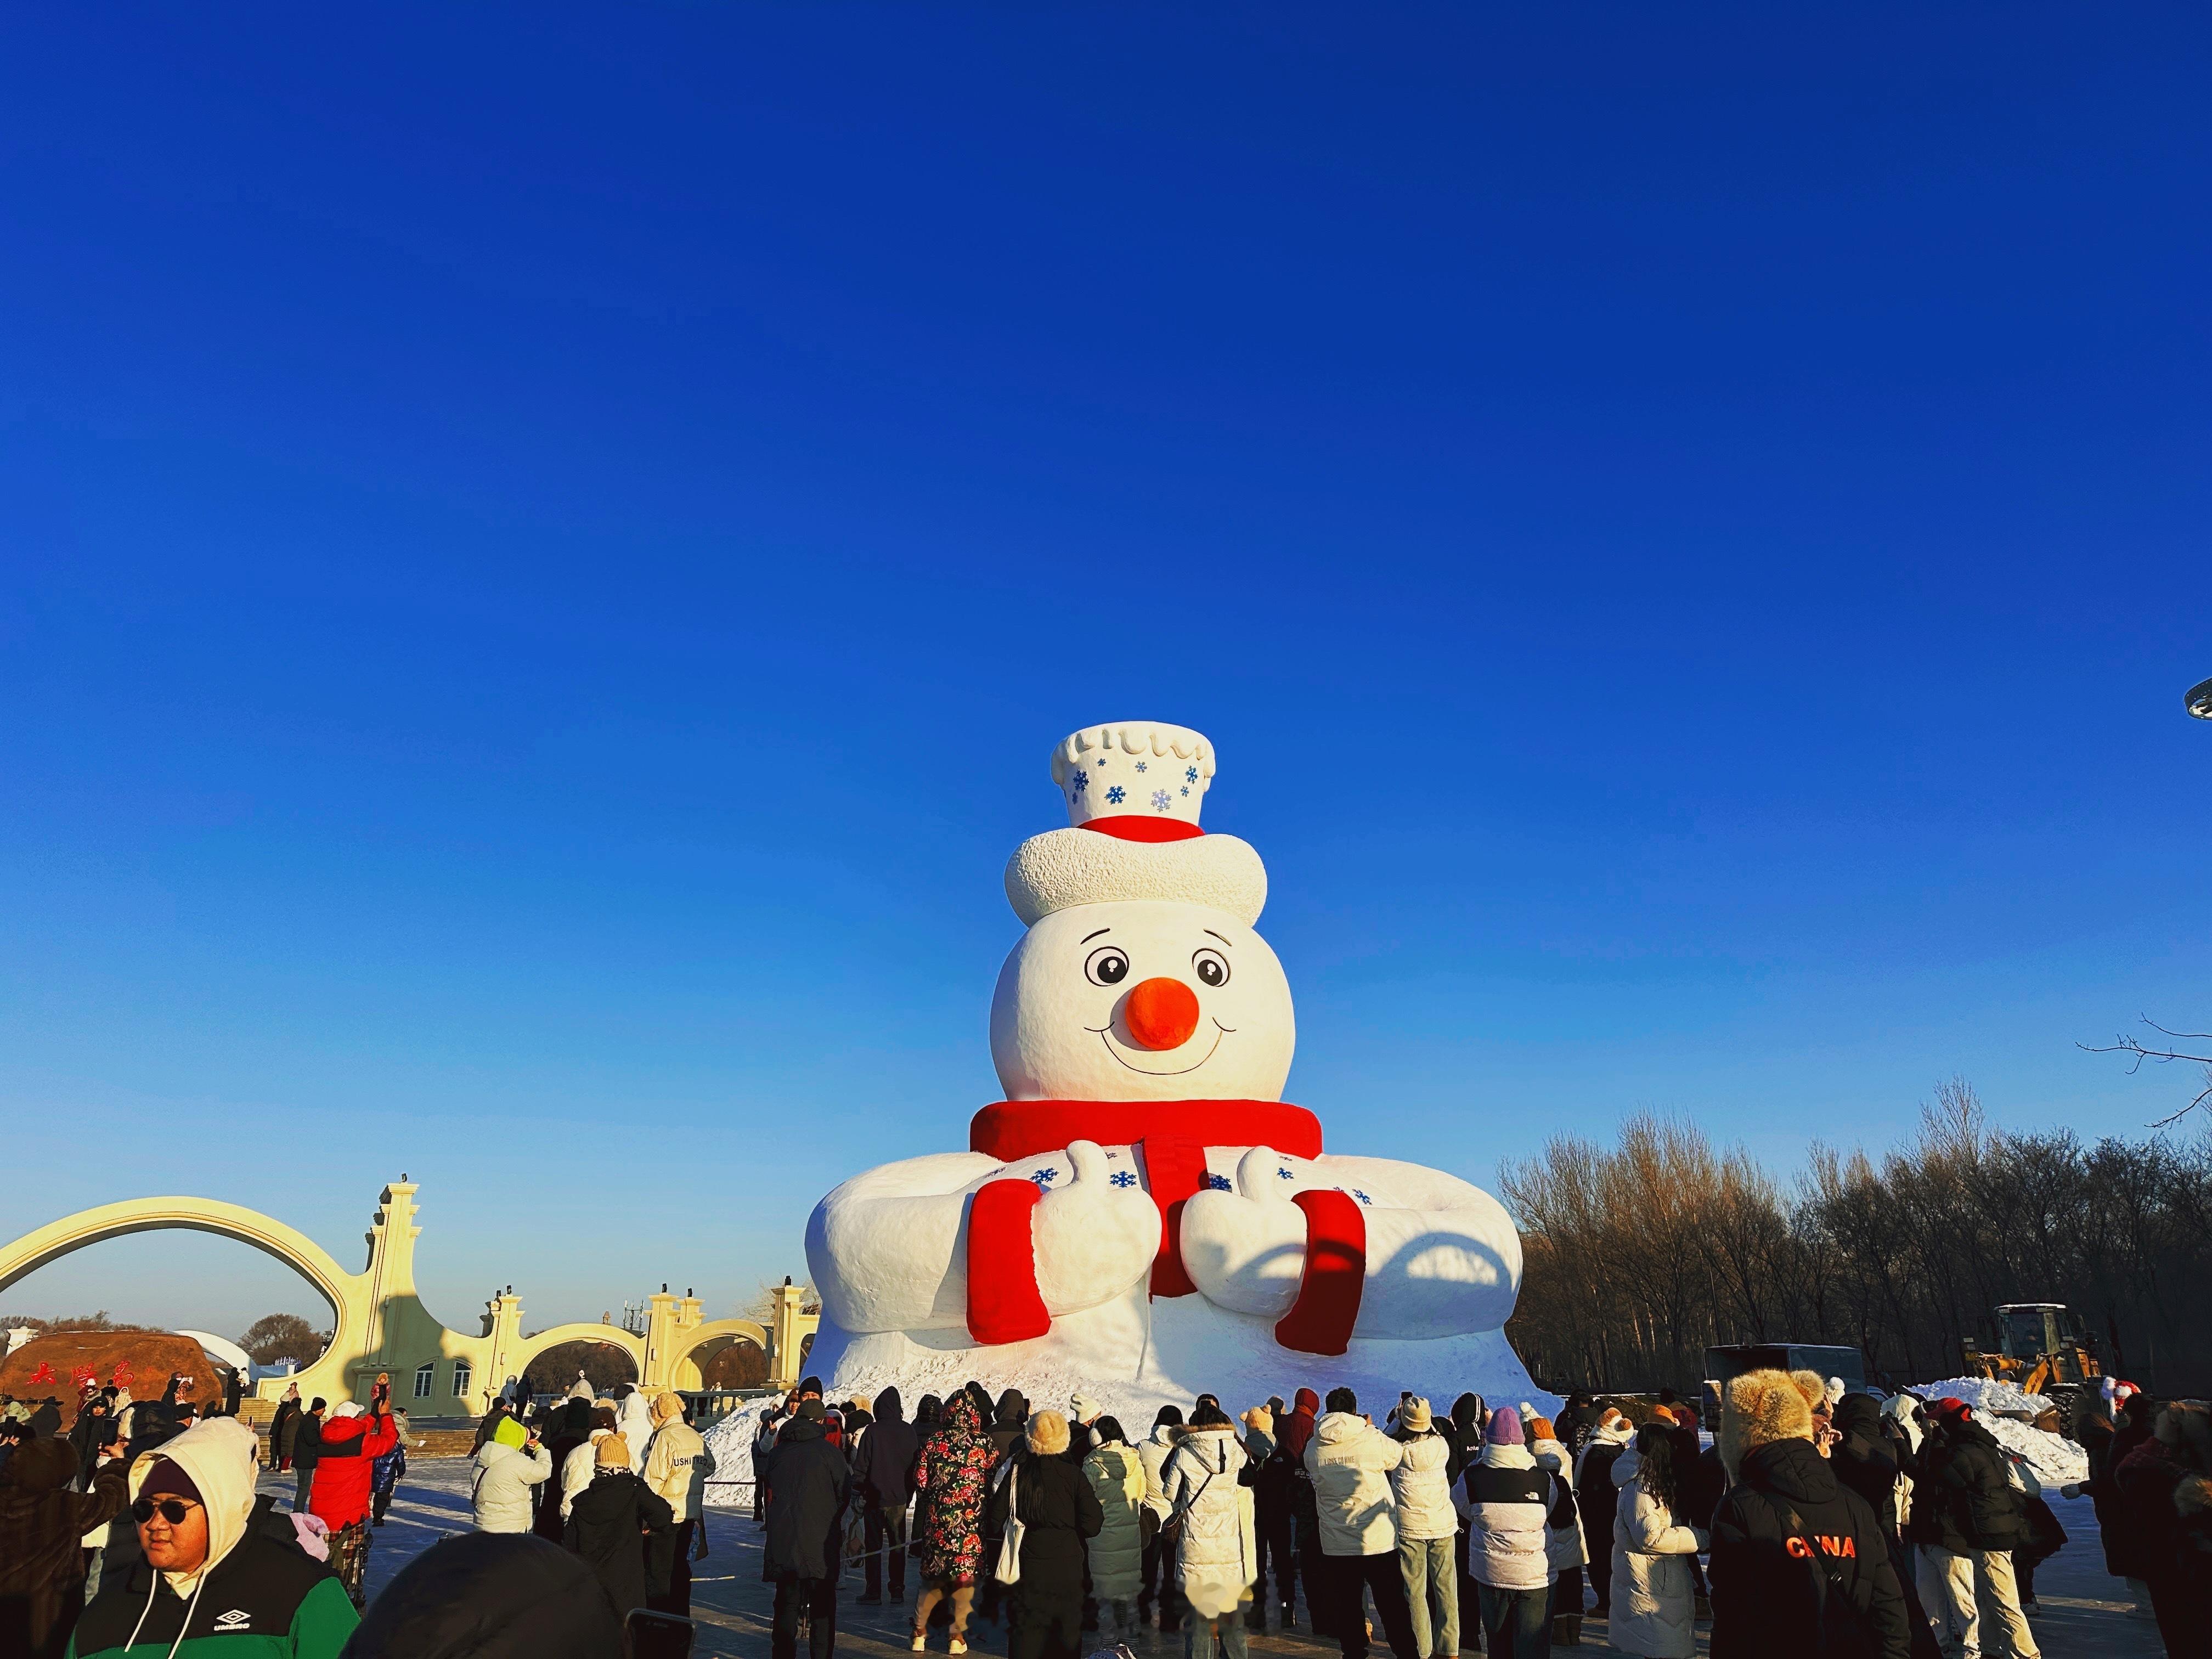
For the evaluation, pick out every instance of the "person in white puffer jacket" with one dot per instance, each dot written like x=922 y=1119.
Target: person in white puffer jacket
x=1428 y=1522
x=508 y=1465
x=1654 y=1595
x=633 y=1422
x=1219 y=1551
x=1349 y=1461
x=1508 y=1501
x=583 y=1459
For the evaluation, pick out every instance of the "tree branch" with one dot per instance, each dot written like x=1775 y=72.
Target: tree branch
x=2138 y=1053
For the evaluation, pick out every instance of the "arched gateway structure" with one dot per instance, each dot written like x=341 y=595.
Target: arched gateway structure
x=379 y=1324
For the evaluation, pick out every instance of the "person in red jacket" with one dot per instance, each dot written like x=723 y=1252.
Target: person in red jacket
x=352 y=1442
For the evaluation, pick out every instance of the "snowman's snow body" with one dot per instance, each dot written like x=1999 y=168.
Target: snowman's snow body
x=1143 y=1218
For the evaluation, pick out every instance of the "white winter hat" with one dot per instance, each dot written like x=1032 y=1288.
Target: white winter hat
x=1084 y=1407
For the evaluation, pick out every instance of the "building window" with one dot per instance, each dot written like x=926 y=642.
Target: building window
x=461 y=1378
x=424 y=1373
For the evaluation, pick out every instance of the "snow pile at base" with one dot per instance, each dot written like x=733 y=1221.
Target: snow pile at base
x=1988 y=1398
x=1998 y=1407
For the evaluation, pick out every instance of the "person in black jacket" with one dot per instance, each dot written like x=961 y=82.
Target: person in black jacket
x=1800 y=1565
x=808 y=1484
x=1967 y=1520
x=1053 y=1499
x=568 y=1426
x=1273 y=1481
x=883 y=1470
x=1864 y=1458
x=280 y=1451
x=489 y=1595
x=1867 y=1458
x=1596 y=1499
x=306 y=1452
x=610 y=1521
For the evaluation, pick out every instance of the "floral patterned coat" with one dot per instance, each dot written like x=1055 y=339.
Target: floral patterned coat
x=952 y=1472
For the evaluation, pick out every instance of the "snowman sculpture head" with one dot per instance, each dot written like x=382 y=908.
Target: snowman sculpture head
x=1140 y=977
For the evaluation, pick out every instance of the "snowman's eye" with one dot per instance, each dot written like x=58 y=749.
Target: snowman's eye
x=1106 y=966
x=1212 y=967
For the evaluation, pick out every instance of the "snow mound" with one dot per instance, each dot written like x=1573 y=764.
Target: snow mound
x=1998 y=1406
x=2052 y=1459
x=1987 y=1397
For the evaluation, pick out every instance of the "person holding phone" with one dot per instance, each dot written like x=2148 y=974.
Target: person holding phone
x=351 y=1442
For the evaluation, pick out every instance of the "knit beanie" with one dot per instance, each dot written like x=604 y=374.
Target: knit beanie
x=613 y=1452
x=1539 y=1428
x=1506 y=1427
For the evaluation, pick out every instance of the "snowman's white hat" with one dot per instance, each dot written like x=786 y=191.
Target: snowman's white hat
x=1133 y=789
x=1140 y=769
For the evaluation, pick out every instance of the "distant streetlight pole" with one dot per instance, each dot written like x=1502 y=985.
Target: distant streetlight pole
x=2199 y=700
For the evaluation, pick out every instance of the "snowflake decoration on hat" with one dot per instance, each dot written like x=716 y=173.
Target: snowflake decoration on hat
x=1114 y=795
x=1121 y=1178
x=1160 y=800
x=1140 y=766
x=1220 y=1183
x=1285 y=1174
x=1079 y=782
x=1190 y=775
x=1045 y=1177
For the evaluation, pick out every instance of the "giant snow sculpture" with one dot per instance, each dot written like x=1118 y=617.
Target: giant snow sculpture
x=1143 y=1216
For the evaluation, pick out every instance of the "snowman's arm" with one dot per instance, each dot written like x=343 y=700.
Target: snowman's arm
x=1334 y=1263
x=1444 y=1260
x=885 y=1247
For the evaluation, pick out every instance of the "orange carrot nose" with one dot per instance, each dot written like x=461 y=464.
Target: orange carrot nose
x=1161 y=1013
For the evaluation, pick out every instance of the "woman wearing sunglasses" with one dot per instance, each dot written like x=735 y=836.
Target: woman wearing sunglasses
x=218 y=1564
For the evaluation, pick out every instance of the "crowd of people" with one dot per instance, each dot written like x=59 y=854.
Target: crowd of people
x=1812 y=1521
x=139 y=1527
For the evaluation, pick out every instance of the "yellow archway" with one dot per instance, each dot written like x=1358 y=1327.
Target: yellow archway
x=340 y=1288
x=699 y=1344
x=379 y=1323
x=614 y=1336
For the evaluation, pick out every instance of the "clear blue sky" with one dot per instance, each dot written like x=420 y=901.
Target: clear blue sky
x=544 y=554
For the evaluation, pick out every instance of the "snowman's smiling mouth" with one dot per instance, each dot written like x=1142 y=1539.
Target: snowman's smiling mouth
x=1105 y=1035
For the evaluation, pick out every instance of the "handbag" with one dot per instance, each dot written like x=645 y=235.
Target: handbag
x=1010 y=1547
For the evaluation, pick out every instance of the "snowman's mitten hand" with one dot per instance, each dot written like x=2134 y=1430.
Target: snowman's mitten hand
x=1245 y=1249
x=1095 y=1238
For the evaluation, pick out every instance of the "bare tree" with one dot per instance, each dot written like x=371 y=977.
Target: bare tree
x=2139 y=1052
x=760 y=1307
x=1636 y=1256
x=283 y=1336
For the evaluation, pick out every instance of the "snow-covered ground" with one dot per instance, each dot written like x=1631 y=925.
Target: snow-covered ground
x=2083 y=1613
